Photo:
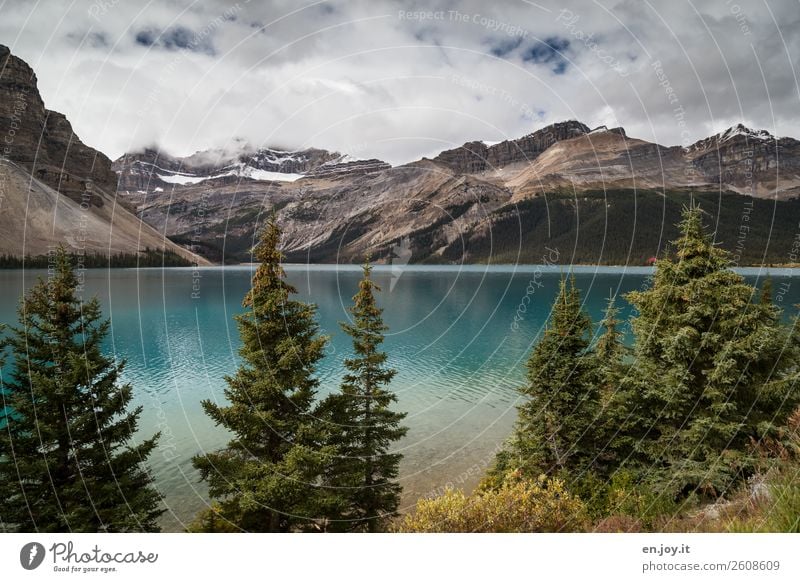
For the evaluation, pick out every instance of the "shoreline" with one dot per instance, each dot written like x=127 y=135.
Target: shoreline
x=422 y=268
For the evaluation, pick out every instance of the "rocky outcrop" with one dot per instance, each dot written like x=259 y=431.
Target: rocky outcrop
x=750 y=161
x=348 y=168
x=470 y=158
x=42 y=141
x=54 y=189
x=477 y=156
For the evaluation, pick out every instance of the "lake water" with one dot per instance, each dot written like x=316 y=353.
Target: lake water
x=452 y=339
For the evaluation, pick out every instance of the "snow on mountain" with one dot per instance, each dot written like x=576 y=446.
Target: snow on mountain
x=266 y=175
x=240 y=170
x=740 y=129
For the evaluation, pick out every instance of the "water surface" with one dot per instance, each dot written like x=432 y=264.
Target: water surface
x=453 y=339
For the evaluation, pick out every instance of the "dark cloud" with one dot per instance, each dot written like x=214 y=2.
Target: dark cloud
x=551 y=51
x=504 y=47
x=175 y=38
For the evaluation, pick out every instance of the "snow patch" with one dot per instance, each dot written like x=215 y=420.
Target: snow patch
x=183 y=179
x=265 y=175
x=240 y=171
x=740 y=129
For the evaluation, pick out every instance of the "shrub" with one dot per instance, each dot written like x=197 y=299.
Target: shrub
x=212 y=520
x=780 y=512
x=624 y=496
x=518 y=505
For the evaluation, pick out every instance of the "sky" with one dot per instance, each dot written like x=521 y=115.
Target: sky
x=402 y=79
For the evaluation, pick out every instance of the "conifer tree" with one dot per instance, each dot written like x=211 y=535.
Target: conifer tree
x=609 y=348
x=362 y=425
x=714 y=370
x=609 y=369
x=553 y=431
x=68 y=462
x=266 y=478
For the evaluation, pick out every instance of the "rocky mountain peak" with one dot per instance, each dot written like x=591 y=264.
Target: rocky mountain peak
x=42 y=141
x=477 y=156
x=740 y=130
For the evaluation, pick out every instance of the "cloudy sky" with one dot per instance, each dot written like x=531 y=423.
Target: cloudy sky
x=401 y=79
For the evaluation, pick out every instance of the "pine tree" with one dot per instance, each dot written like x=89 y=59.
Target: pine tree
x=68 y=462
x=714 y=370
x=554 y=428
x=362 y=425
x=266 y=479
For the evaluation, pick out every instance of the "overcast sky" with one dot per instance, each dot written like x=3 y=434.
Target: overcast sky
x=399 y=79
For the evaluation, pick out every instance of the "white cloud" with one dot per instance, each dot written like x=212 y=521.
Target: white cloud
x=362 y=78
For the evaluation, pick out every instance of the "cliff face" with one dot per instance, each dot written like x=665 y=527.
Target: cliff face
x=753 y=162
x=476 y=156
x=54 y=190
x=42 y=141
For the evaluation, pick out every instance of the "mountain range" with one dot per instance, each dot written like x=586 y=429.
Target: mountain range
x=593 y=195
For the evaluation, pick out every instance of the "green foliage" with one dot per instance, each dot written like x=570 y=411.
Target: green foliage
x=617 y=227
x=627 y=495
x=700 y=404
x=146 y=258
x=714 y=371
x=361 y=476
x=68 y=462
x=267 y=478
x=518 y=505
x=553 y=431
x=609 y=368
x=212 y=520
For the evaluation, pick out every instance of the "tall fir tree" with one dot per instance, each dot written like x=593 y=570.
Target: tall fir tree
x=555 y=425
x=362 y=427
x=609 y=348
x=609 y=368
x=714 y=371
x=266 y=479
x=68 y=461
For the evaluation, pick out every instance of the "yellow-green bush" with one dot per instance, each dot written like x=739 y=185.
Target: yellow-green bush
x=518 y=505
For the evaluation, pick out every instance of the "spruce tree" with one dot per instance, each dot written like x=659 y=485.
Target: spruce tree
x=266 y=479
x=555 y=423
x=608 y=369
x=362 y=426
x=609 y=348
x=714 y=371
x=68 y=462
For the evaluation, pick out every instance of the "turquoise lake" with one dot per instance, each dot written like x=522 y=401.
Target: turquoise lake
x=453 y=339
